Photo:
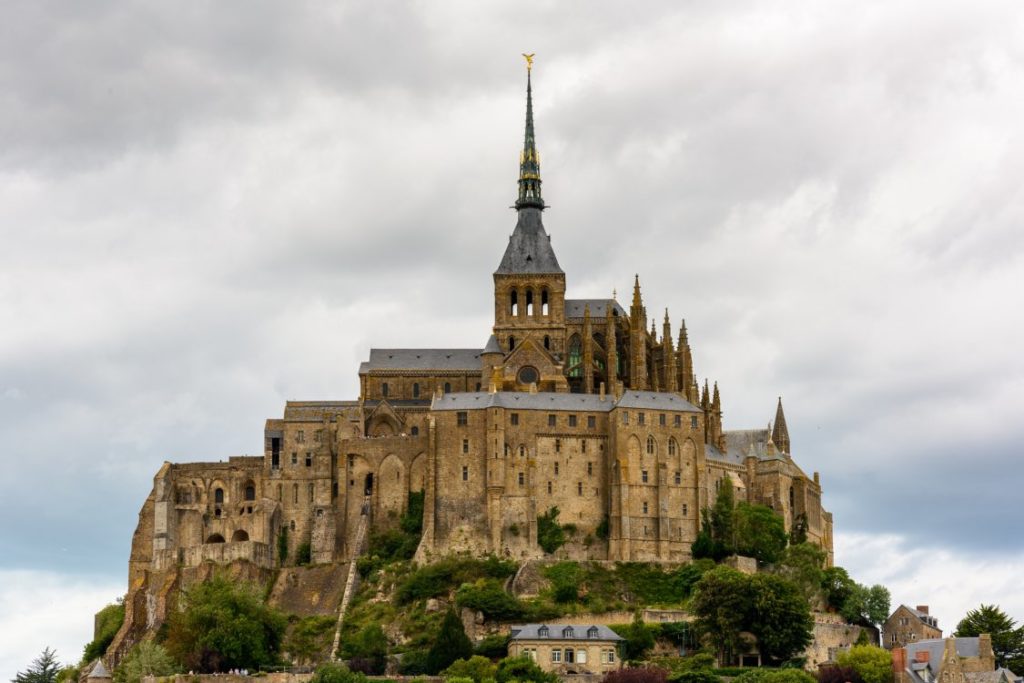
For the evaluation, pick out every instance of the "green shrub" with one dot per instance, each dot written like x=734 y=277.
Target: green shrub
x=493 y=646
x=695 y=676
x=145 y=659
x=476 y=669
x=451 y=644
x=413 y=663
x=336 y=673
x=303 y=554
x=550 y=536
x=873 y=664
x=439 y=578
x=310 y=637
x=369 y=645
x=488 y=596
x=108 y=623
x=522 y=669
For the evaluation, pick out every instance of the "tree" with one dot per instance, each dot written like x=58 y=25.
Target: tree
x=780 y=617
x=1007 y=638
x=639 y=639
x=722 y=519
x=524 y=670
x=720 y=603
x=478 y=669
x=802 y=564
x=837 y=587
x=876 y=606
x=43 y=669
x=759 y=532
x=145 y=659
x=368 y=650
x=872 y=664
x=798 y=531
x=451 y=644
x=223 y=624
x=647 y=674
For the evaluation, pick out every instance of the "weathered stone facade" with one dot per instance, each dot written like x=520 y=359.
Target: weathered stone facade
x=572 y=403
x=907 y=625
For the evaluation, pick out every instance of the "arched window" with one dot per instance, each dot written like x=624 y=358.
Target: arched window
x=792 y=497
x=250 y=492
x=384 y=389
x=544 y=302
x=575 y=356
x=293 y=525
x=529 y=302
x=513 y=303
x=415 y=431
x=415 y=389
x=215 y=538
x=650 y=445
x=547 y=342
x=522 y=451
x=447 y=387
x=671 y=446
x=218 y=497
x=239 y=536
x=511 y=342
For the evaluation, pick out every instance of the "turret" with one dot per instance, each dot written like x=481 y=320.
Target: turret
x=638 y=340
x=671 y=382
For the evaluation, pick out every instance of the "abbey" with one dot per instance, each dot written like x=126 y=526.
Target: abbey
x=579 y=404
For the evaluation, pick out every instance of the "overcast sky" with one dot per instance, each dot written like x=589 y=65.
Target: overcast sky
x=206 y=210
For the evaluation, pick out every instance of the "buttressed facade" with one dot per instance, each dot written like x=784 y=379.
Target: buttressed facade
x=579 y=404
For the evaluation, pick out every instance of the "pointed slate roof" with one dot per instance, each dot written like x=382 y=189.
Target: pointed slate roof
x=529 y=248
x=780 y=434
x=492 y=346
x=99 y=671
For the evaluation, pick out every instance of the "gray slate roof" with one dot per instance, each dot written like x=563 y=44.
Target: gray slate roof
x=557 y=632
x=965 y=647
x=493 y=346
x=598 y=307
x=529 y=248
x=744 y=442
x=656 y=399
x=562 y=401
x=422 y=359
x=524 y=400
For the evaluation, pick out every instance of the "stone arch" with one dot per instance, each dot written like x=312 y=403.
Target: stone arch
x=249 y=490
x=214 y=538
x=240 y=536
x=652 y=445
x=418 y=473
x=633 y=448
x=391 y=487
x=382 y=424
x=688 y=452
x=356 y=469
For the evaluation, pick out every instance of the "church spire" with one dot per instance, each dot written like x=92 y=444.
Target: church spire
x=529 y=160
x=780 y=434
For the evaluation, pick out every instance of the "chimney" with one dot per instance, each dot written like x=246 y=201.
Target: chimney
x=923 y=609
x=601 y=391
x=985 y=651
x=899 y=661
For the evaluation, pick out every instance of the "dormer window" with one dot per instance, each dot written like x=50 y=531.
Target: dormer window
x=567 y=632
x=592 y=632
x=543 y=632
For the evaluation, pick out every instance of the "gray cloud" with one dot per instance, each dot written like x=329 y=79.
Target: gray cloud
x=207 y=212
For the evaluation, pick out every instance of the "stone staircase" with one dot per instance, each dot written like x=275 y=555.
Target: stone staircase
x=352 y=582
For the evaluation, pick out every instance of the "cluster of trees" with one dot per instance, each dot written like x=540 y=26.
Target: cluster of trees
x=743 y=529
x=728 y=604
x=1007 y=637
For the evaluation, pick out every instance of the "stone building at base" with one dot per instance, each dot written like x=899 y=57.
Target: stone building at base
x=576 y=404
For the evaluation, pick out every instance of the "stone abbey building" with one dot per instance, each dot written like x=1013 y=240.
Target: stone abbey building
x=579 y=404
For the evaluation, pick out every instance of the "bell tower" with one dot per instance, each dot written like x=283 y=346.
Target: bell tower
x=529 y=285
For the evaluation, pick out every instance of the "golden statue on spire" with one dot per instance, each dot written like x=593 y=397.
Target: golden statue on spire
x=529 y=60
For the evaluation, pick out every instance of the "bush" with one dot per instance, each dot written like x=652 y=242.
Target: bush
x=108 y=623
x=145 y=659
x=413 y=663
x=872 y=664
x=488 y=596
x=224 y=625
x=696 y=676
x=636 y=675
x=493 y=646
x=550 y=536
x=476 y=669
x=639 y=639
x=367 y=651
x=437 y=579
x=838 y=674
x=336 y=673
x=524 y=670
x=303 y=554
x=309 y=637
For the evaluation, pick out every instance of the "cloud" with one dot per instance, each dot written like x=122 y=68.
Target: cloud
x=949 y=581
x=205 y=214
x=40 y=609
